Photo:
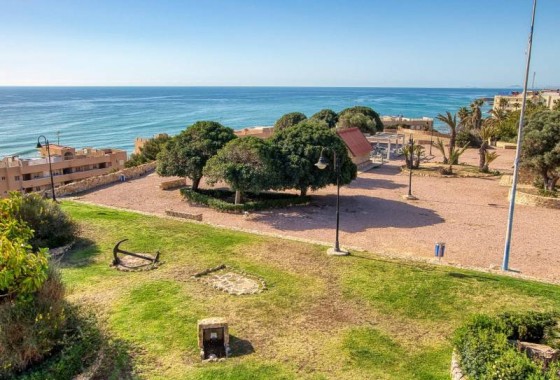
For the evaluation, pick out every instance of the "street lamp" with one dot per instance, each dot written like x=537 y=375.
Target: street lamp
x=39 y=146
x=322 y=164
x=409 y=196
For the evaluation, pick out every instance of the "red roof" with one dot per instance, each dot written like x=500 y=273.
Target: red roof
x=355 y=141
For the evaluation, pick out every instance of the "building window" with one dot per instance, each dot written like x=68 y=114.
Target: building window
x=3 y=178
x=16 y=177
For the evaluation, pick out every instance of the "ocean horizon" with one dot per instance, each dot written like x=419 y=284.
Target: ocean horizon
x=103 y=116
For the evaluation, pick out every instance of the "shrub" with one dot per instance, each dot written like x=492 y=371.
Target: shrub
x=512 y=365
x=221 y=200
x=289 y=120
x=467 y=137
x=51 y=226
x=528 y=327
x=482 y=344
x=30 y=329
x=327 y=116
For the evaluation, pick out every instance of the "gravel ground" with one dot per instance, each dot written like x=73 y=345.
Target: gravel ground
x=469 y=214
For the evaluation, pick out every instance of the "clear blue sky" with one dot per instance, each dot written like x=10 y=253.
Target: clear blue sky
x=432 y=43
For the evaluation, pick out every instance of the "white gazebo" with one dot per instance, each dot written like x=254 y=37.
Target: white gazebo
x=394 y=142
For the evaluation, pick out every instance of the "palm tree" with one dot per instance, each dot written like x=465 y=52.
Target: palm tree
x=464 y=117
x=490 y=157
x=454 y=155
x=503 y=103
x=451 y=121
x=476 y=113
x=486 y=133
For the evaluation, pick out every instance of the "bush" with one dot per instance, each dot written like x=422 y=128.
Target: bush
x=466 y=137
x=528 y=327
x=221 y=200
x=485 y=353
x=30 y=329
x=289 y=120
x=52 y=227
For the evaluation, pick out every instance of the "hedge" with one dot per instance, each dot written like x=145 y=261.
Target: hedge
x=262 y=201
x=485 y=348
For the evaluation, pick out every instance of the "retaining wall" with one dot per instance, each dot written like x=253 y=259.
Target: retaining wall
x=102 y=180
x=522 y=198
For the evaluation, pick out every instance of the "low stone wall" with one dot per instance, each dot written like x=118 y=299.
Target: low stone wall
x=184 y=215
x=523 y=198
x=173 y=184
x=506 y=145
x=106 y=179
x=456 y=372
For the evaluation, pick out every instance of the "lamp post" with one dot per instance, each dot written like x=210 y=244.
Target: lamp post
x=322 y=164
x=39 y=146
x=409 y=196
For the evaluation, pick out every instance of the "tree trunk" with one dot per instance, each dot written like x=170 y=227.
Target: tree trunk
x=482 y=156
x=553 y=183
x=237 y=197
x=303 y=191
x=452 y=139
x=195 y=183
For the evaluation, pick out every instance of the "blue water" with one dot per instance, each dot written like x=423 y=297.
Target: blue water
x=114 y=116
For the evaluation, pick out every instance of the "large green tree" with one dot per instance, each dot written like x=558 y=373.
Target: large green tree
x=299 y=148
x=541 y=147
x=149 y=151
x=347 y=119
x=245 y=164
x=327 y=116
x=186 y=154
x=289 y=120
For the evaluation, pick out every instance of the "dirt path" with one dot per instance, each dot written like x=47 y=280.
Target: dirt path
x=469 y=214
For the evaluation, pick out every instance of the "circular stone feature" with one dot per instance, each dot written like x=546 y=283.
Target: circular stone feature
x=134 y=264
x=231 y=281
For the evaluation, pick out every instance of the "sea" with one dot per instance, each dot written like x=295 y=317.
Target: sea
x=113 y=117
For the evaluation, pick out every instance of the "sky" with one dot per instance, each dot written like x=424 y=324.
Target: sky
x=391 y=43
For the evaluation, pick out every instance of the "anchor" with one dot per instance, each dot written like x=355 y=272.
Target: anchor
x=117 y=261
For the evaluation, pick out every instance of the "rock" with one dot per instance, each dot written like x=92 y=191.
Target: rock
x=541 y=352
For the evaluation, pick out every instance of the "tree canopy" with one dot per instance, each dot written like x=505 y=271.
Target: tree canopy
x=300 y=147
x=289 y=120
x=149 y=151
x=186 y=154
x=245 y=164
x=327 y=116
x=541 y=147
x=370 y=124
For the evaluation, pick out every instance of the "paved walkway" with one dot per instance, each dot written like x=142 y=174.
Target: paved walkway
x=469 y=214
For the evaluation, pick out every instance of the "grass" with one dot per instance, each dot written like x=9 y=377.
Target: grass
x=355 y=317
x=433 y=169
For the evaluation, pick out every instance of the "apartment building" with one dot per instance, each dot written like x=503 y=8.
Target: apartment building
x=68 y=165
x=513 y=102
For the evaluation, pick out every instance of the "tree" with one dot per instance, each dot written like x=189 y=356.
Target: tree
x=465 y=118
x=326 y=115
x=486 y=133
x=289 y=120
x=503 y=103
x=149 y=151
x=451 y=121
x=300 y=147
x=556 y=105
x=454 y=155
x=357 y=120
x=186 y=154
x=476 y=113
x=414 y=159
x=245 y=164
x=541 y=147
x=368 y=112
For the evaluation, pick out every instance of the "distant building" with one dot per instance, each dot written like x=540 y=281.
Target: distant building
x=359 y=148
x=422 y=124
x=68 y=165
x=513 y=102
x=140 y=141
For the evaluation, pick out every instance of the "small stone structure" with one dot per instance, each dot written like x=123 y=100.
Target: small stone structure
x=102 y=180
x=456 y=372
x=172 y=184
x=528 y=199
x=213 y=339
x=231 y=281
x=541 y=352
x=184 y=215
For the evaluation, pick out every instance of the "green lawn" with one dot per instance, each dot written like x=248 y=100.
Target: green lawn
x=355 y=317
